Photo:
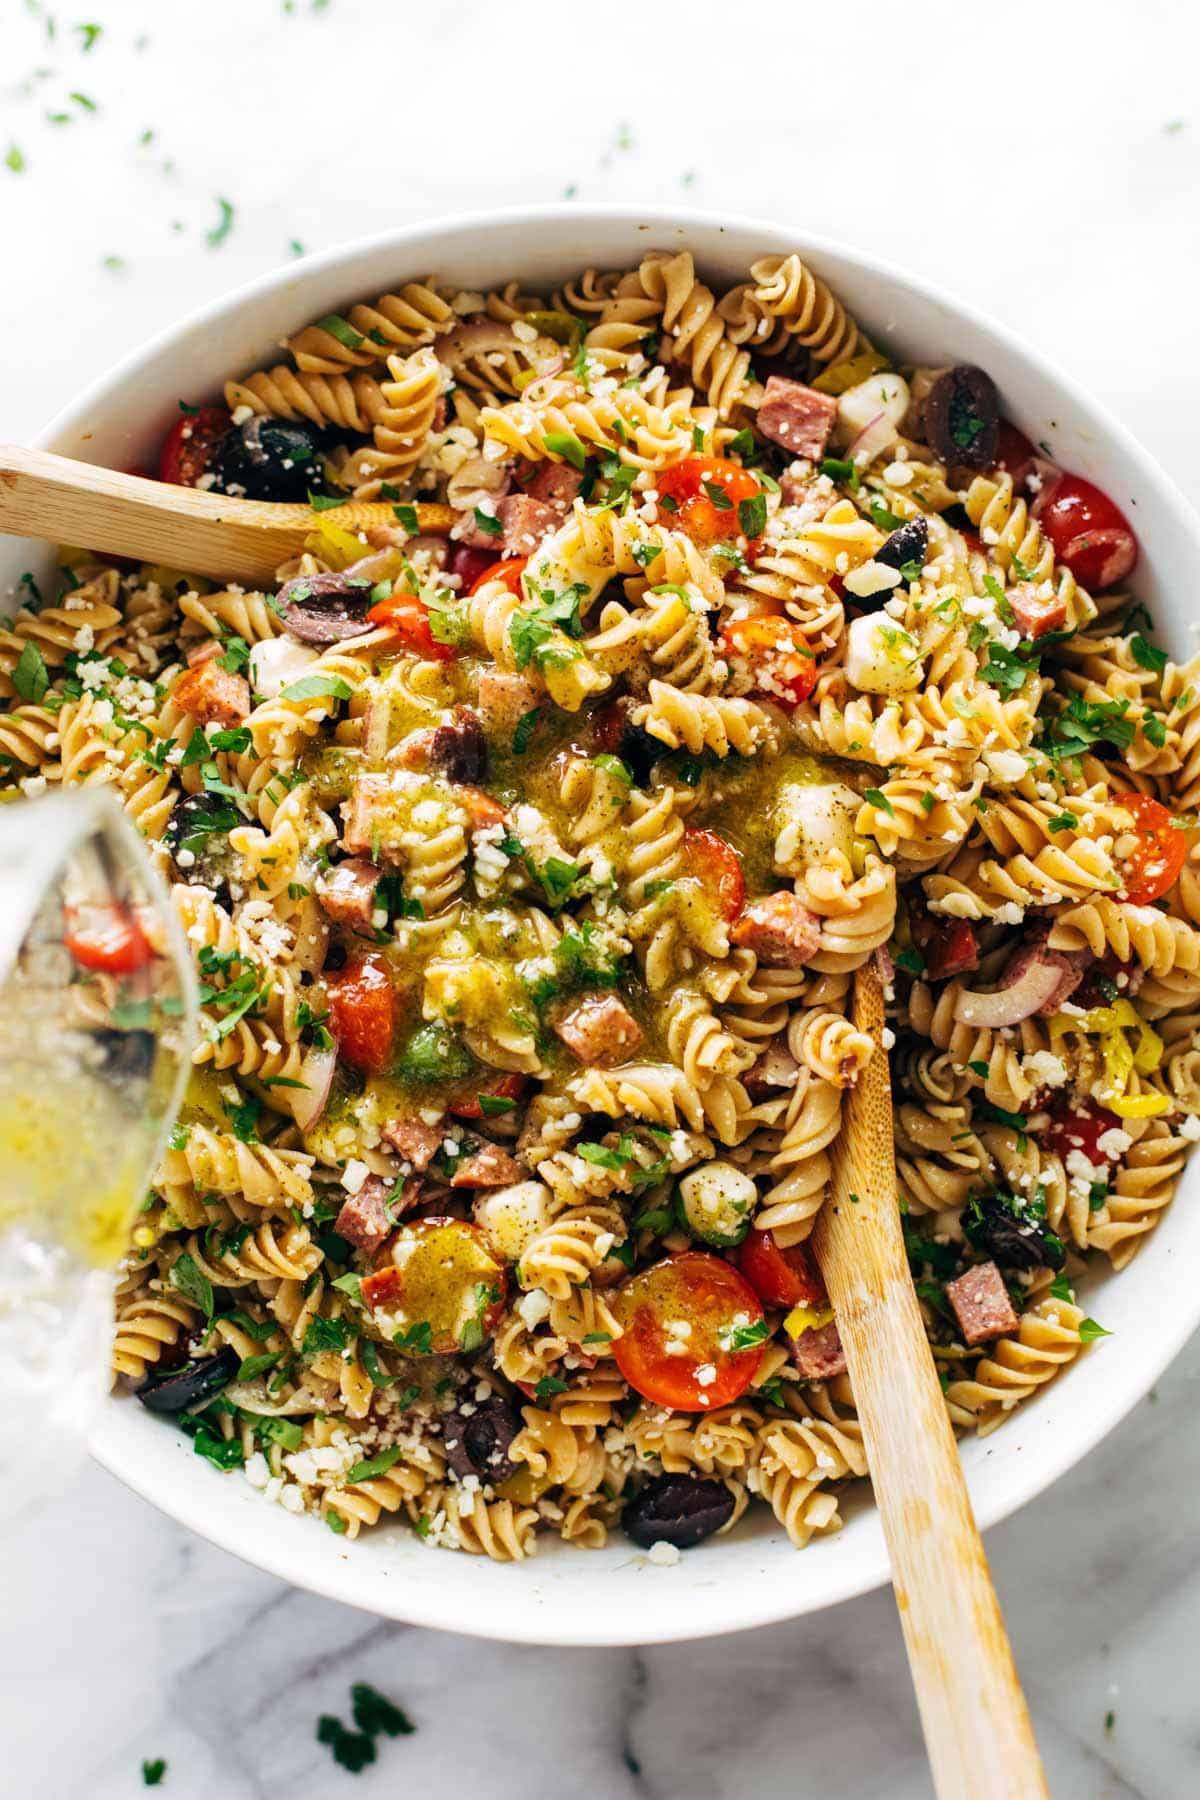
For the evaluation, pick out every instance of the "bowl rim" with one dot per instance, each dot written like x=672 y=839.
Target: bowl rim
x=278 y=1554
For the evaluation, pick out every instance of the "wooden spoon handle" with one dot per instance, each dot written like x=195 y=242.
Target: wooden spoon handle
x=54 y=497
x=977 y=1726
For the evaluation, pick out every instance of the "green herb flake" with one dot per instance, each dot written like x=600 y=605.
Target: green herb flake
x=880 y=800
x=1060 y=1289
x=752 y=515
x=153 y=1770
x=548 y=1386
x=1065 y=821
x=374 y=1713
x=317 y=687
x=487 y=522
x=252 y=1366
x=494 y=1106
x=982 y=1069
x=224 y=225
x=1146 y=654
x=527 y=724
x=193 y=1283
x=1089 y=1331
x=884 y=519
x=30 y=676
x=910 y=960
x=416 y=1339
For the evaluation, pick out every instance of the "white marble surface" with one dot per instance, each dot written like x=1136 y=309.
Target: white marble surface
x=1043 y=161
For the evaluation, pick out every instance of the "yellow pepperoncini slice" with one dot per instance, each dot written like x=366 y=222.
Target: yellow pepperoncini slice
x=840 y=376
x=1112 y=1025
x=807 y=1318
x=335 y=545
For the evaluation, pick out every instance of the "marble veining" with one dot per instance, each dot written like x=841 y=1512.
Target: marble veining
x=1043 y=162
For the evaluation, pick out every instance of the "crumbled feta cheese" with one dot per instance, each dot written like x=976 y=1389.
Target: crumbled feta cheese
x=663 y=1555
x=1114 y=1142
x=354 y=1175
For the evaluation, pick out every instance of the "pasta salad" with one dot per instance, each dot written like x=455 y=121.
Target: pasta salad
x=528 y=839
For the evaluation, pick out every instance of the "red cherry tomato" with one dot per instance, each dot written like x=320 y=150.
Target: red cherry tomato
x=468 y=564
x=509 y=571
x=785 y=667
x=362 y=1013
x=712 y=862
x=780 y=1277
x=1161 y=851
x=442 y=1291
x=1088 y=532
x=188 y=447
x=707 y=491
x=106 y=938
x=1079 y=1128
x=1015 y=453
x=494 y=1087
x=721 y=1307
x=408 y=617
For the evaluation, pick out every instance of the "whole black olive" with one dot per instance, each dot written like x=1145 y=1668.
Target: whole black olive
x=909 y=544
x=324 y=609
x=126 y=1055
x=191 y=1385
x=477 y=1443
x=197 y=817
x=459 y=750
x=1013 y=1232
x=677 y=1509
x=962 y=417
x=269 y=459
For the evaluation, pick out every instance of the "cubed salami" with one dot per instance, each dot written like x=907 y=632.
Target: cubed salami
x=213 y=695
x=796 y=416
x=526 y=522
x=365 y=1218
x=599 y=1030
x=504 y=700
x=557 y=484
x=780 y=930
x=487 y=1167
x=347 y=893
x=1036 y=614
x=818 y=1353
x=981 y=1304
x=415 y=1141
x=775 y=1068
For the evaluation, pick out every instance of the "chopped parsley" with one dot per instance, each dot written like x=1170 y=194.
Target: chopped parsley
x=1082 y=724
x=1089 y=1331
x=324 y=1334
x=838 y=469
x=374 y=1713
x=30 y=677
x=752 y=515
x=153 y=1769
x=1146 y=654
x=225 y=216
x=487 y=522
x=417 y=1339
x=879 y=799
x=548 y=1386
x=191 y=1281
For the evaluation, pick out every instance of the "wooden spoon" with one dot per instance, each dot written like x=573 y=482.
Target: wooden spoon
x=977 y=1727
x=67 y=502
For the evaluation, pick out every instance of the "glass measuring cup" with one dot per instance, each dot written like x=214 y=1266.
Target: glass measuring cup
x=97 y=1023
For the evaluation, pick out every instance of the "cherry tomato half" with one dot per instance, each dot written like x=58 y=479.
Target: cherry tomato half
x=408 y=617
x=708 y=859
x=509 y=571
x=492 y=1087
x=1079 y=1128
x=1088 y=532
x=1161 y=851
x=707 y=491
x=777 y=653
x=188 y=447
x=722 y=1309
x=362 y=1013
x=780 y=1277
x=106 y=938
x=442 y=1292
x=1015 y=453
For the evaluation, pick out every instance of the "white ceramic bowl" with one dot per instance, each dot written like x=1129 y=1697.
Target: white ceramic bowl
x=753 y=1577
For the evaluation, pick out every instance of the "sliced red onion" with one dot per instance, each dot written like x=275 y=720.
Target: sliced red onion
x=874 y=438
x=1033 y=988
x=309 y=1102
